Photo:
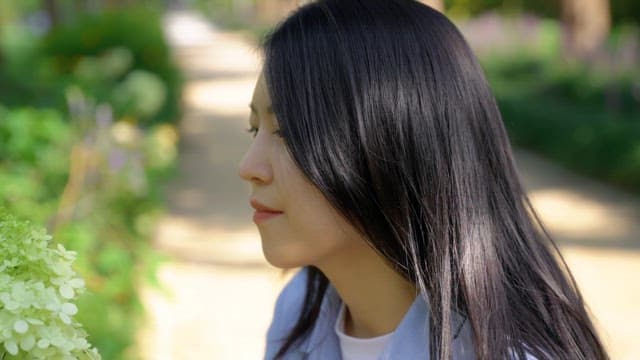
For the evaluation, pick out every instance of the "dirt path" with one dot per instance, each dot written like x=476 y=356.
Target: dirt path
x=222 y=292
x=598 y=230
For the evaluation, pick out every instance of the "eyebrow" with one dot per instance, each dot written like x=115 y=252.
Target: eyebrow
x=253 y=108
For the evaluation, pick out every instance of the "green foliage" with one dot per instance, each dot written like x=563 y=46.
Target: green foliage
x=120 y=57
x=34 y=146
x=23 y=71
x=583 y=116
x=38 y=288
x=86 y=139
x=622 y=11
x=140 y=94
x=139 y=31
x=10 y=10
x=466 y=8
x=625 y=11
x=103 y=209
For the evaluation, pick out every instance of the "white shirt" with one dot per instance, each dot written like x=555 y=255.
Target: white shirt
x=353 y=348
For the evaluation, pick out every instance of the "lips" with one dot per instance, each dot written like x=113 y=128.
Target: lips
x=263 y=212
x=263 y=208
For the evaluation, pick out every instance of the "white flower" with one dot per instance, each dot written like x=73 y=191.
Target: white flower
x=67 y=291
x=20 y=326
x=38 y=288
x=11 y=347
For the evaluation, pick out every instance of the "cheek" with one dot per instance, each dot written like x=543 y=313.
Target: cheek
x=308 y=209
x=313 y=230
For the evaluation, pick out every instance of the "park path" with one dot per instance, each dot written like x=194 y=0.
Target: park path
x=220 y=292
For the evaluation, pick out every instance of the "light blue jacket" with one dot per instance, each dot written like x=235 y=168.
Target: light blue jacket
x=408 y=342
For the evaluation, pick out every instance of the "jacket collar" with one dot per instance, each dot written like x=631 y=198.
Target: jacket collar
x=410 y=337
x=323 y=330
x=415 y=322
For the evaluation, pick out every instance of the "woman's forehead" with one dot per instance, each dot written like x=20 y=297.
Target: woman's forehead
x=261 y=101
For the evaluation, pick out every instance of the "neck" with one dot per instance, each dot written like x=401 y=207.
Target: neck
x=375 y=295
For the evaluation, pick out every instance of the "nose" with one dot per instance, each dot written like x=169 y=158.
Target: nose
x=255 y=166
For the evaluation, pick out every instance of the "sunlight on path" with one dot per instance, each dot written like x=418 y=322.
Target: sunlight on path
x=598 y=231
x=609 y=283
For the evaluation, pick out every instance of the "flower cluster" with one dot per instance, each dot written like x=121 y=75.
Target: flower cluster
x=37 y=292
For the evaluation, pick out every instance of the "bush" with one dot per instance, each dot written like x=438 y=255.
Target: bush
x=138 y=29
x=95 y=182
x=38 y=288
x=86 y=139
x=582 y=116
x=119 y=56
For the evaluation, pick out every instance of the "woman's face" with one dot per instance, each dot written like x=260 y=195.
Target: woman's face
x=308 y=231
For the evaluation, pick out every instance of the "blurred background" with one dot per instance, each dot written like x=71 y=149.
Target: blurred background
x=122 y=123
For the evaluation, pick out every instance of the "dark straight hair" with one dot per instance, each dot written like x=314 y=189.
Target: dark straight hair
x=384 y=107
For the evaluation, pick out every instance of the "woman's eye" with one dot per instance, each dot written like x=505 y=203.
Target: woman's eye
x=253 y=130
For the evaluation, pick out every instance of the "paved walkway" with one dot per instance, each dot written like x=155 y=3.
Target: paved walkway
x=221 y=292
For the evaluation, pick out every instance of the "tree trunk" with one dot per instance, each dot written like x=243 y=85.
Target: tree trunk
x=51 y=8
x=586 y=25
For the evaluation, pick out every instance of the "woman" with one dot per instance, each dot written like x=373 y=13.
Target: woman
x=381 y=166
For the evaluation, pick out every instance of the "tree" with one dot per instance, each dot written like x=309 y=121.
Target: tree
x=586 y=26
x=51 y=7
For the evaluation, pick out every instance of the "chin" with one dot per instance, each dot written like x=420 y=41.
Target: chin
x=283 y=258
x=282 y=262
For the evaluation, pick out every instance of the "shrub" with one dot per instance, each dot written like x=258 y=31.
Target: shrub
x=95 y=182
x=38 y=288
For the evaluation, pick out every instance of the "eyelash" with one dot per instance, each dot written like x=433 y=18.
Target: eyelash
x=254 y=131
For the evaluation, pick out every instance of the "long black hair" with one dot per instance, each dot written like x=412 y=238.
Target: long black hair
x=384 y=107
